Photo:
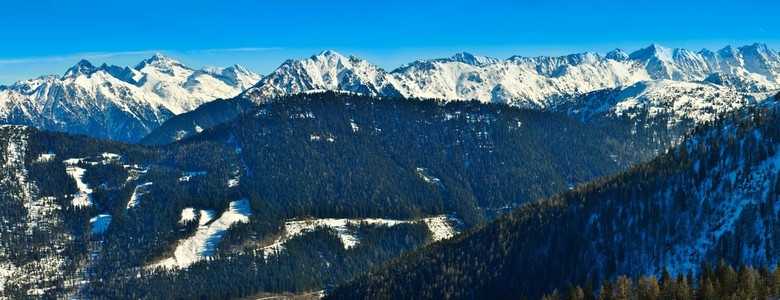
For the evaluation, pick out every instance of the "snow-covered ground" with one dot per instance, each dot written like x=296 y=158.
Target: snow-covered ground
x=84 y=196
x=187 y=215
x=202 y=244
x=206 y=215
x=533 y=82
x=45 y=157
x=100 y=223
x=39 y=273
x=188 y=175
x=423 y=173
x=147 y=94
x=139 y=191
x=440 y=226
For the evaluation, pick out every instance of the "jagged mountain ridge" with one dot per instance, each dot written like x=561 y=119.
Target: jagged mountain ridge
x=115 y=102
x=126 y=103
x=533 y=82
x=572 y=84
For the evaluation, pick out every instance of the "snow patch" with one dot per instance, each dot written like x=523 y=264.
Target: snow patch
x=440 y=227
x=187 y=215
x=45 y=157
x=206 y=215
x=188 y=175
x=423 y=173
x=202 y=244
x=100 y=223
x=84 y=196
x=139 y=191
x=354 y=126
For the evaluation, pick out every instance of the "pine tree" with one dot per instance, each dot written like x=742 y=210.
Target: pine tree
x=623 y=288
x=668 y=285
x=647 y=288
x=589 y=292
x=607 y=291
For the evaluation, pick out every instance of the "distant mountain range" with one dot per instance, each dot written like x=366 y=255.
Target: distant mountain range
x=531 y=82
x=128 y=103
x=115 y=102
x=673 y=87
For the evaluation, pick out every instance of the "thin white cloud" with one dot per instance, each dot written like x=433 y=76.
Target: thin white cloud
x=94 y=55
x=73 y=57
x=242 y=49
x=111 y=54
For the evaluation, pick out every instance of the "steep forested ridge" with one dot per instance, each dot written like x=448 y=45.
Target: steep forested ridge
x=714 y=197
x=345 y=151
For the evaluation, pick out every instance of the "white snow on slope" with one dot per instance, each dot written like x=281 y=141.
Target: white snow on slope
x=187 y=215
x=440 y=227
x=45 y=157
x=139 y=191
x=84 y=196
x=535 y=82
x=100 y=223
x=423 y=173
x=551 y=83
x=41 y=272
x=206 y=215
x=202 y=244
x=188 y=175
x=123 y=103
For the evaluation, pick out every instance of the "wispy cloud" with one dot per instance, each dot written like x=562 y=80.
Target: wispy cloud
x=122 y=53
x=242 y=49
x=95 y=55
x=89 y=55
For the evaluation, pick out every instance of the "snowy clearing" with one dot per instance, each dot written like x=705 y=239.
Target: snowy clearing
x=201 y=245
x=187 y=215
x=46 y=157
x=84 y=196
x=100 y=223
x=440 y=227
x=188 y=175
x=423 y=173
x=139 y=191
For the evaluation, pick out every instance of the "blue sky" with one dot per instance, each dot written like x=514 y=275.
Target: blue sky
x=48 y=36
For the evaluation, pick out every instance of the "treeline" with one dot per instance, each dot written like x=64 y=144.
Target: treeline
x=719 y=282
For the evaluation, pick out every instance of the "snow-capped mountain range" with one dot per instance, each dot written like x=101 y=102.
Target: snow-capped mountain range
x=531 y=82
x=127 y=103
x=680 y=87
x=115 y=102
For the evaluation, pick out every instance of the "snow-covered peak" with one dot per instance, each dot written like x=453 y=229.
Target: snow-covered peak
x=617 y=55
x=328 y=70
x=237 y=69
x=120 y=103
x=728 y=51
x=160 y=61
x=474 y=60
x=756 y=47
x=83 y=67
x=235 y=76
x=328 y=55
x=654 y=51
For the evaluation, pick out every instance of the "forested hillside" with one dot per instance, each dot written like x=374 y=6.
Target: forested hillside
x=714 y=197
x=234 y=211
